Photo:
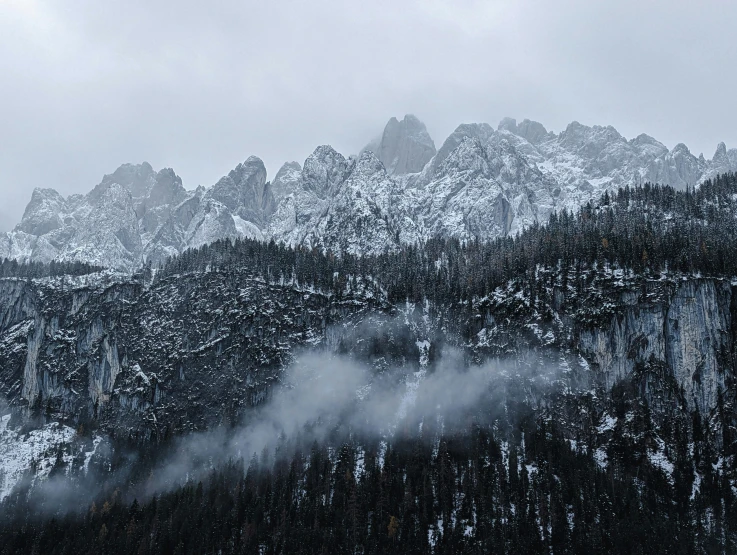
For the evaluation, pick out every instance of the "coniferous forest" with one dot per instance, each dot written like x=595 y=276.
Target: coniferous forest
x=517 y=477
x=465 y=493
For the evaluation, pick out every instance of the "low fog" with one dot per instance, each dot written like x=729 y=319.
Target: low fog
x=326 y=398
x=329 y=397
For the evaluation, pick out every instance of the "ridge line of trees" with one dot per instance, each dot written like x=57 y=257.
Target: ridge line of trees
x=646 y=229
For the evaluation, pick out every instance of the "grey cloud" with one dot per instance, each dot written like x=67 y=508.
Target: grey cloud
x=199 y=87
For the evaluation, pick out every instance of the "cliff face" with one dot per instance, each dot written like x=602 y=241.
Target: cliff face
x=134 y=363
x=668 y=334
x=404 y=146
x=686 y=326
x=195 y=350
x=57 y=342
x=186 y=353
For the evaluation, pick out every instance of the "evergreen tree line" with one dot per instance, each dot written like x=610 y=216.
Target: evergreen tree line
x=647 y=229
x=529 y=491
x=32 y=269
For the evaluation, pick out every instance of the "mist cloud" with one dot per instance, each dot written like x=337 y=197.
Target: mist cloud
x=322 y=397
x=329 y=395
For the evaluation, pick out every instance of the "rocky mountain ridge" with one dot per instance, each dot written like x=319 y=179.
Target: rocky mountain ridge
x=481 y=183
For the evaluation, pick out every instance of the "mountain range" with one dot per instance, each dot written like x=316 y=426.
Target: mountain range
x=481 y=183
x=571 y=389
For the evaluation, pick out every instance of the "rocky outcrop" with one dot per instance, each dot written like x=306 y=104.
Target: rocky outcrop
x=404 y=147
x=42 y=215
x=193 y=350
x=678 y=168
x=243 y=191
x=482 y=183
x=285 y=182
x=686 y=327
x=184 y=354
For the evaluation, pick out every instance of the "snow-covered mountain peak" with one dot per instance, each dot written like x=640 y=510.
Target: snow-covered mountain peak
x=532 y=131
x=168 y=189
x=481 y=183
x=242 y=190
x=508 y=124
x=481 y=131
x=590 y=141
x=137 y=179
x=404 y=147
x=681 y=148
x=285 y=181
x=323 y=171
x=723 y=161
x=649 y=145
x=42 y=213
x=368 y=163
x=721 y=153
x=469 y=155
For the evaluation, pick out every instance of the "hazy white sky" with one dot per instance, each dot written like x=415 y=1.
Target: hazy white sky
x=86 y=85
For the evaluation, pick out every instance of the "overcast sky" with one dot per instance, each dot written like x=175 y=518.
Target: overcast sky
x=86 y=85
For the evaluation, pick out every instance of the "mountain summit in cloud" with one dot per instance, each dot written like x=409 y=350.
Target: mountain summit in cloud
x=404 y=146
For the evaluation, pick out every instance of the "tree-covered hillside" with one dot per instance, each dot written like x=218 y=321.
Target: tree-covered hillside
x=647 y=229
x=610 y=426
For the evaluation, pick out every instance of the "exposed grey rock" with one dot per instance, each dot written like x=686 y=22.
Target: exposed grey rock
x=243 y=191
x=167 y=190
x=649 y=146
x=532 y=131
x=481 y=131
x=483 y=189
x=723 y=161
x=405 y=146
x=358 y=218
x=497 y=184
x=688 y=330
x=105 y=348
x=339 y=204
x=107 y=231
x=138 y=180
x=286 y=181
x=323 y=171
x=678 y=168
x=42 y=214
